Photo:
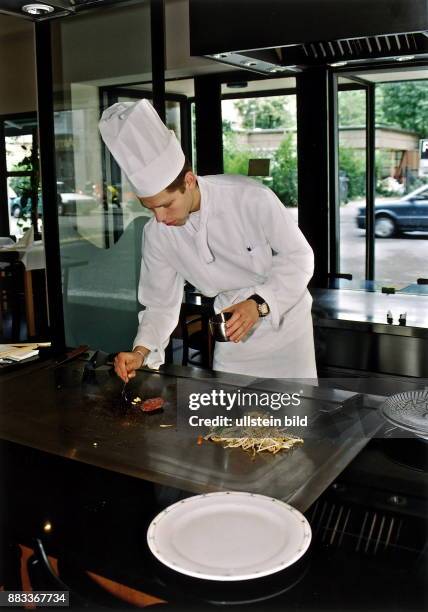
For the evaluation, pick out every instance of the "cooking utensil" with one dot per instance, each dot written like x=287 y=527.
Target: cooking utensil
x=217 y=325
x=229 y=536
x=82 y=348
x=125 y=397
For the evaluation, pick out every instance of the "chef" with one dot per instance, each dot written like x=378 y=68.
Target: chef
x=230 y=237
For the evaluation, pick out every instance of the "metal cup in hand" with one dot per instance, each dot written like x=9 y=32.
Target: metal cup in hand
x=217 y=325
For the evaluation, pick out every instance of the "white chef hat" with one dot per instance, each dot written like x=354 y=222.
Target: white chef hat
x=148 y=153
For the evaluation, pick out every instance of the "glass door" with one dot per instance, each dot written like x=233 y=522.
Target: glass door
x=100 y=246
x=395 y=255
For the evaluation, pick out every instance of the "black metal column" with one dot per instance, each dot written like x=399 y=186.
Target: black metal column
x=209 y=129
x=334 y=191
x=313 y=166
x=4 y=200
x=157 y=23
x=48 y=176
x=370 y=180
x=186 y=128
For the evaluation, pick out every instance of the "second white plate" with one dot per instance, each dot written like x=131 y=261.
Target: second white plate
x=229 y=536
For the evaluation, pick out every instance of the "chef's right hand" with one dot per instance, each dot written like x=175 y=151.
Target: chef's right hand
x=126 y=363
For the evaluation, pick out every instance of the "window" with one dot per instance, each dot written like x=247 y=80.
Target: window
x=401 y=186
x=262 y=127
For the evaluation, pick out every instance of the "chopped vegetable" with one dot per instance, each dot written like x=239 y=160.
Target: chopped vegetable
x=254 y=439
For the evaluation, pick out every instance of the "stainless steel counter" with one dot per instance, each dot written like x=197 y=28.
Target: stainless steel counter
x=352 y=332
x=335 y=307
x=54 y=411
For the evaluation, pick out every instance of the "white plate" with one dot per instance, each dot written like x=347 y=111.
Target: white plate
x=229 y=536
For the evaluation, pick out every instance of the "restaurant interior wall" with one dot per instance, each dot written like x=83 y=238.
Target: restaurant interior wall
x=17 y=66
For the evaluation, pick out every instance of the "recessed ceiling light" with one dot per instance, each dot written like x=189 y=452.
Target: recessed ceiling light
x=250 y=64
x=338 y=64
x=405 y=58
x=37 y=9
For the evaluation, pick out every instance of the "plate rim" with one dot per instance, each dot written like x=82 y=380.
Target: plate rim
x=307 y=538
x=413 y=428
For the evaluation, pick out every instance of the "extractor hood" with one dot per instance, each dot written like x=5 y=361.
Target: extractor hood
x=283 y=36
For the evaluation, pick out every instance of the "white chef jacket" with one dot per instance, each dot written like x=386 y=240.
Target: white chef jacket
x=242 y=241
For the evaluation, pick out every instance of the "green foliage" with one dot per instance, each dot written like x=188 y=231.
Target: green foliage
x=22 y=184
x=351 y=108
x=353 y=164
x=283 y=164
x=284 y=172
x=404 y=105
x=235 y=160
x=265 y=113
x=27 y=187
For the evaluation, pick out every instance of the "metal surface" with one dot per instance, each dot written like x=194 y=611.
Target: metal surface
x=57 y=413
x=352 y=332
x=382 y=353
x=299 y=34
x=213 y=24
x=370 y=180
x=367 y=311
x=217 y=325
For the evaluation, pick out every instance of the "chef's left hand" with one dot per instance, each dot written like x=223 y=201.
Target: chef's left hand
x=245 y=315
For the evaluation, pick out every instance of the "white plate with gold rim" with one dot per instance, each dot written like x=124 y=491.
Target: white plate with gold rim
x=229 y=536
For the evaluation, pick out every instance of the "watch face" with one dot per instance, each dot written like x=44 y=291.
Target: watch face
x=263 y=309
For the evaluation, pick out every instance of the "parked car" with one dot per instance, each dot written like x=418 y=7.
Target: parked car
x=66 y=204
x=408 y=214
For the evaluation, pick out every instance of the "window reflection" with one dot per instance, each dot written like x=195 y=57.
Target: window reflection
x=100 y=221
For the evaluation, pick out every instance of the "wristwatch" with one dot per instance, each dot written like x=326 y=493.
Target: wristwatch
x=262 y=306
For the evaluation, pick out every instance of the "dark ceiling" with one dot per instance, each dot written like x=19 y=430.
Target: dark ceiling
x=61 y=7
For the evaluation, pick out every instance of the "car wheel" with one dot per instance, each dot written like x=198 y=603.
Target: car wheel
x=384 y=227
x=16 y=211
